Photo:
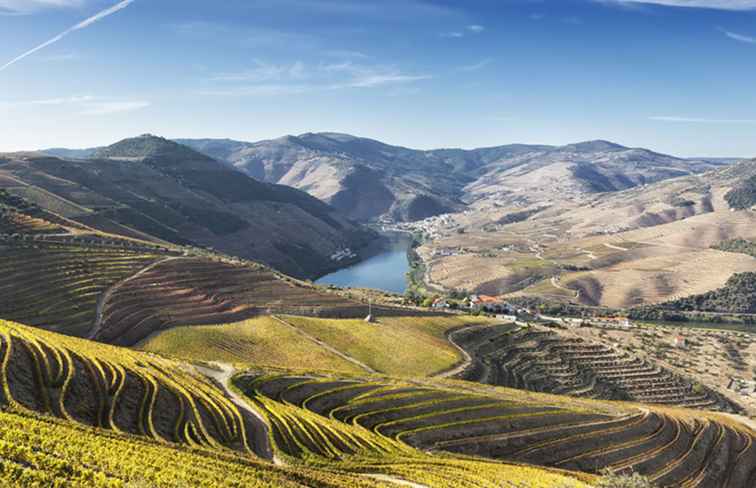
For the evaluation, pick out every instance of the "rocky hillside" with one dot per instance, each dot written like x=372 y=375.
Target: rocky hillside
x=152 y=188
x=370 y=180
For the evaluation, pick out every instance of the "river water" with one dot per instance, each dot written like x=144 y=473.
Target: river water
x=385 y=271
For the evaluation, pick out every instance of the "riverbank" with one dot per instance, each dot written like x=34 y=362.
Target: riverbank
x=385 y=268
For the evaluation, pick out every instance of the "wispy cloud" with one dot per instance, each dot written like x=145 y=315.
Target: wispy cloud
x=81 y=25
x=470 y=29
x=82 y=104
x=108 y=108
x=263 y=72
x=476 y=66
x=298 y=77
x=710 y=4
x=345 y=53
x=21 y=7
x=739 y=37
x=699 y=120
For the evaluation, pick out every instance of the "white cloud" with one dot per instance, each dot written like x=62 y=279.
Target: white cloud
x=263 y=72
x=700 y=120
x=294 y=78
x=81 y=25
x=710 y=4
x=740 y=37
x=82 y=104
x=477 y=66
x=345 y=53
x=29 y=6
x=470 y=29
x=361 y=76
x=107 y=108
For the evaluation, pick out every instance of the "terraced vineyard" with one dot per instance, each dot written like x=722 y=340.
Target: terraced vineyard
x=120 y=390
x=81 y=414
x=49 y=283
x=672 y=447
x=187 y=291
x=543 y=360
x=13 y=222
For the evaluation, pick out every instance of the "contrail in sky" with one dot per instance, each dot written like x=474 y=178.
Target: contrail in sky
x=81 y=25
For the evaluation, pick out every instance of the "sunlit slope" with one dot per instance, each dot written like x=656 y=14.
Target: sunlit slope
x=43 y=452
x=263 y=341
x=81 y=414
x=400 y=346
x=120 y=390
x=672 y=447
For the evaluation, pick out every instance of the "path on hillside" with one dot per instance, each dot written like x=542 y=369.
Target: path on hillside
x=325 y=346
x=262 y=446
x=222 y=375
x=467 y=358
x=616 y=248
x=105 y=296
x=557 y=283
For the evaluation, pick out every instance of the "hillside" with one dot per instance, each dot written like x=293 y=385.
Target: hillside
x=648 y=244
x=81 y=414
x=738 y=296
x=154 y=189
x=407 y=185
x=671 y=447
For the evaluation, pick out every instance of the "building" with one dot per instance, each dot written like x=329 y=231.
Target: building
x=489 y=304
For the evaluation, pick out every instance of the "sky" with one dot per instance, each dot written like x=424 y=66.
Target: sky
x=675 y=76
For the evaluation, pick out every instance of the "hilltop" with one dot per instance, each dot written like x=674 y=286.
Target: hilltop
x=154 y=189
x=407 y=184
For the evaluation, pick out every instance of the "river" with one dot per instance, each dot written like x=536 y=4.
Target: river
x=386 y=270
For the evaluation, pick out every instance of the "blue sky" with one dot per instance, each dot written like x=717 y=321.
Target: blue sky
x=672 y=75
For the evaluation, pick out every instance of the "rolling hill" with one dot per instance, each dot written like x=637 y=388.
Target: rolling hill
x=406 y=184
x=153 y=189
x=643 y=245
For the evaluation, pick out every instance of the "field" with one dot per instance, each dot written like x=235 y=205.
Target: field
x=399 y=346
x=561 y=362
x=672 y=447
x=263 y=341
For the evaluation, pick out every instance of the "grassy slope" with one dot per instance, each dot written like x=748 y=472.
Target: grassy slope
x=404 y=346
x=262 y=341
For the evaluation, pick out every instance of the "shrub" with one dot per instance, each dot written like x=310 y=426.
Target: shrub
x=611 y=480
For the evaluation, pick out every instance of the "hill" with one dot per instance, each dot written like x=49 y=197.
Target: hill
x=154 y=189
x=81 y=414
x=407 y=185
x=671 y=447
x=643 y=245
x=738 y=296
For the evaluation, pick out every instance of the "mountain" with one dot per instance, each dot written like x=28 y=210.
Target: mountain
x=151 y=188
x=370 y=180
